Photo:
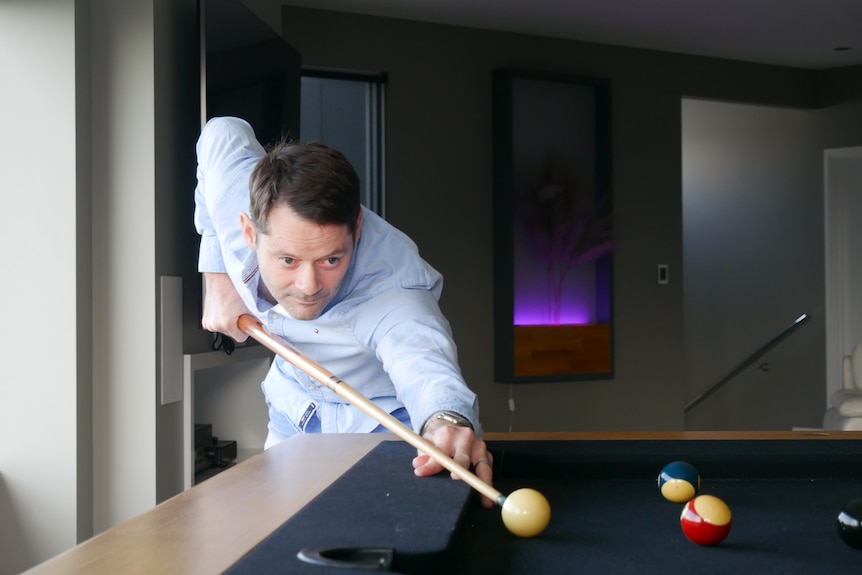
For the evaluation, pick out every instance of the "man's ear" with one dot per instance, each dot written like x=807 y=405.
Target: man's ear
x=248 y=231
x=358 y=229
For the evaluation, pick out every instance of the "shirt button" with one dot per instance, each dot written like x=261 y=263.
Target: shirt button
x=273 y=315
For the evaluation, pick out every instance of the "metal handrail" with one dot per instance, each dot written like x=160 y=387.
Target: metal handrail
x=750 y=360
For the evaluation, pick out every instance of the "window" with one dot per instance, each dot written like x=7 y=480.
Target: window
x=345 y=110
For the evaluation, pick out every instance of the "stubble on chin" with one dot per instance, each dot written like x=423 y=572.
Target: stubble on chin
x=303 y=312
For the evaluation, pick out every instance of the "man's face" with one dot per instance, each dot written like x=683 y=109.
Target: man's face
x=302 y=263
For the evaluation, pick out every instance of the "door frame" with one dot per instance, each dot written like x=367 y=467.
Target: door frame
x=842 y=209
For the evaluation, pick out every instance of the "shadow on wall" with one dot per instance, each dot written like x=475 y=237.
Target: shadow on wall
x=15 y=553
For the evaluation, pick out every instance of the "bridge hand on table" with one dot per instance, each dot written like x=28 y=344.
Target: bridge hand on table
x=462 y=445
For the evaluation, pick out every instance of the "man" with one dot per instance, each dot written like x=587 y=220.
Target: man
x=284 y=238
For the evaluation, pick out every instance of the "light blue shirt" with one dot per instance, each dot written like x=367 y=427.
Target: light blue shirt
x=383 y=333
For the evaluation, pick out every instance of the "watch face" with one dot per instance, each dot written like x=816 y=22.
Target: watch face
x=449 y=417
x=454 y=419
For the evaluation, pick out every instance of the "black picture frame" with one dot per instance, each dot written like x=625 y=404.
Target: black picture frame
x=553 y=215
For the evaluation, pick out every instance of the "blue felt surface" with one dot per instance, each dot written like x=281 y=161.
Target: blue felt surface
x=377 y=503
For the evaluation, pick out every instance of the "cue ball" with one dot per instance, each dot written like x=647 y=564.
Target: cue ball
x=850 y=524
x=706 y=520
x=679 y=481
x=526 y=512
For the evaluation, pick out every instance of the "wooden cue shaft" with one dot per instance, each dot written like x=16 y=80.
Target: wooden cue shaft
x=253 y=327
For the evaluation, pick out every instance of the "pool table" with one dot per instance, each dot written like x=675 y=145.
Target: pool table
x=320 y=495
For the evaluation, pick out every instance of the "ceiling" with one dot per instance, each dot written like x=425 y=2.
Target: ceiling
x=813 y=34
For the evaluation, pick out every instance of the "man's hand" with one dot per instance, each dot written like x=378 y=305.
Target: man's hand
x=461 y=444
x=222 y=307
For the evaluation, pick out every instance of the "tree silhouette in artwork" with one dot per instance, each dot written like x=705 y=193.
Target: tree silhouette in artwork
x=566 y=223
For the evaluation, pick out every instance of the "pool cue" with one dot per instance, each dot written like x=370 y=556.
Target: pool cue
x=277 y=345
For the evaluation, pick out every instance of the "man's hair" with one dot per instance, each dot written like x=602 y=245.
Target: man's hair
x=312 y=179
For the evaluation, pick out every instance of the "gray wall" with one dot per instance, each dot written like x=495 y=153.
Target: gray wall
x=439 y=191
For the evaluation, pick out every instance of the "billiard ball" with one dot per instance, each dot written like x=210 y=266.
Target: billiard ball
x=850 y=524
x=526 y=512
x=679 y=481
x=706 y=520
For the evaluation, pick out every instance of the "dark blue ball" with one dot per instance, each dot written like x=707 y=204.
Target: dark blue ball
x=679 y=481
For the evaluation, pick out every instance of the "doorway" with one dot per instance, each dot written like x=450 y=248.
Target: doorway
x=842 y=183
x=752 y=263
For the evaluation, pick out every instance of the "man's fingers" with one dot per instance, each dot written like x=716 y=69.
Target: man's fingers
x=463 y=460
x=483 y=467
x=467 y=451
x=239 y=336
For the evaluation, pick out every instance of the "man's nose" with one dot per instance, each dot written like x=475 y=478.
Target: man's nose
x=307 y=280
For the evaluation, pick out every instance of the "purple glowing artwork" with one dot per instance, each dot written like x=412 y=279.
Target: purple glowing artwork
x=553 y=228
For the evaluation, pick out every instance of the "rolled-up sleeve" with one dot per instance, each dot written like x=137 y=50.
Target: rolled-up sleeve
x=415 y=345
x=227 y=152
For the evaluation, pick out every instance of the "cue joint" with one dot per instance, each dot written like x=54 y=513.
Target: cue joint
x=334 y=382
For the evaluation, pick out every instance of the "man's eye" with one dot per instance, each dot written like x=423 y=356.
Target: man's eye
x=287 y=261
x=332 y=261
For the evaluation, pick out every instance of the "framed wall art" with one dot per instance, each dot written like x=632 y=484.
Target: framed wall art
x=553 y=228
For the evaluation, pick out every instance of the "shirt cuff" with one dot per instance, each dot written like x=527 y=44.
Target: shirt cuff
x=210 y=259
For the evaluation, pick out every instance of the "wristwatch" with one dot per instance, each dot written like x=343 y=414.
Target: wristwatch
x=450 y=417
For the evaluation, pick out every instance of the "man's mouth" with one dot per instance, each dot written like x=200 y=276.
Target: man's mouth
x=307 y=302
